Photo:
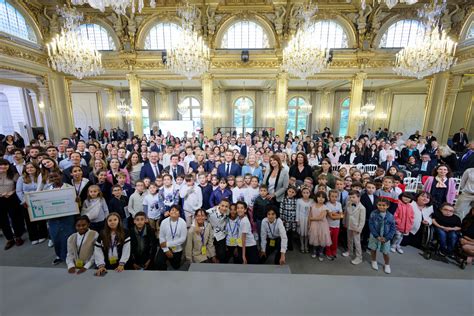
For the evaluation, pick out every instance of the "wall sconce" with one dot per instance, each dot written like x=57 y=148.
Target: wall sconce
x=41 y=105
x=381 y=116
x=325 y=116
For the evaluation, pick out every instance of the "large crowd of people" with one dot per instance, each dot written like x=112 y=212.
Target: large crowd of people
x=156 y=201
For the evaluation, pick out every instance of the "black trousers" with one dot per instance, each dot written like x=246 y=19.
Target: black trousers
x=251 y=254
x=233 y=253
x=10 y=210
x=162 y=259
x=365 y=236
x=221 y=250
x=36 y=230
x=269 y=250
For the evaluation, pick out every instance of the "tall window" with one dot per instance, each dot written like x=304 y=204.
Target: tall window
x=97 y=36
x=344 y=121
x=13 y=22
x=194 y=112
x=329 y=34
x=402 y=33
x=243 y=122
x=162 y=36
x=245 y=34
x=297 y=119
x=6 y=122
x=470 y=33
x=145 y=117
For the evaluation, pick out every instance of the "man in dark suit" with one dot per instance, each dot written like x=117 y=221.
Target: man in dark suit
x=158 y=146
x=467 y=159
x=460 y=140
x=152 y=168
x=432 y=150
x=228 y=168
x=81 y=149
x=389 y=162
x=244 y=149
x=75 y=161
x=174 y=169
x=429 y=138
x=426 y=166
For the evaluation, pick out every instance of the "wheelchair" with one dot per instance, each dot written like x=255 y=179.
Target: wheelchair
x=431 y=249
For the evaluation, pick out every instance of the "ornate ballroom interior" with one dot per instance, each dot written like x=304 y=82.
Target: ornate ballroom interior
x=239 y=70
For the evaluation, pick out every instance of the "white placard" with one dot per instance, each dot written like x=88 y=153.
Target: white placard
x=51 y=203
x=176 y=128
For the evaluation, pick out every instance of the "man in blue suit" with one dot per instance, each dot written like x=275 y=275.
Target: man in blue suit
x=174 y=169
x=228 y=168
x=158 y=146
x=152 y=168
x=389 y=162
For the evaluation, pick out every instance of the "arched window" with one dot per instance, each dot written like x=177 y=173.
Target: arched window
x=13 y=22
x=344 y=121
x=162 y=36
x=193 y=113
x=145 y=117
x=402 y=33
x=297 y=119
x=6 y=122
x=329 y=34
x=245 y=34
x=470 y=32
x=243 y=122
x=97 y=36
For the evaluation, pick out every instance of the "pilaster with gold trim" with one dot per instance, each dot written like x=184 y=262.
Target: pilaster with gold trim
x=281 y=104
x=136 y=99
x=357 y=89
x=435 y=104
x=207 y=103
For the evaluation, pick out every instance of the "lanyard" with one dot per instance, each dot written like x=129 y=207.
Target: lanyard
x=175 y=230
x=235 y=229
x=80 y=245
x=202 y=233
x=272 y=233
x=78 y=190
x=114 y=245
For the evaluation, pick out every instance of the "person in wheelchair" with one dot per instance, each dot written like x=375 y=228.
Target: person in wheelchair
x=467 y=240
x=447 y=227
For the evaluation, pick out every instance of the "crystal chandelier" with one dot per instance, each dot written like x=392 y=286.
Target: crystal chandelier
x=119 y=6
x=433 y=53
x=303 y=56
x=244 y=104
x=190 y=56
x=183 y=106
x=69 y=52
x=306 y=107
x=123 y=108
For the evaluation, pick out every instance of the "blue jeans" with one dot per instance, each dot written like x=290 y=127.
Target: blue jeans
x=60 y=229
x=447 y=240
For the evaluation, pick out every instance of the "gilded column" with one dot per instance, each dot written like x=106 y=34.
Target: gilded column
x=112 y=113
x=281 y=104
x=45 y=110
x=216 y=111
x=163 y=109
x=136 y=100
x=454 y=86
x=435 y=103
x=100 y=108
x=60 y=112
x=356 y=102
x=207 y=94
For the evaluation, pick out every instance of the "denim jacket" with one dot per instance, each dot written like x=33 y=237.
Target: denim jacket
x=376 y=221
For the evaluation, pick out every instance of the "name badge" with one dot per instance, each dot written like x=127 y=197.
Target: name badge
x=113 y=260
x=232 y=241
x=272 y=242
x=239 y=242
x=173 y=249
x=204 y=250
x=79 y=264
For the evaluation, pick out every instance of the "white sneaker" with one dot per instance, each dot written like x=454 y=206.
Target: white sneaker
x=42 y=240
x=50 y=243
x=400 y=250
x=392 y=250
x=345 y=254
x=313 y=256
x=320 y=258
x=375 y=266
x=387 y=269
x=35 y=242
x=356 y=261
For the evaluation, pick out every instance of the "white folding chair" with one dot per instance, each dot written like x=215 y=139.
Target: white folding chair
x=370 y=169
x=411 y=184
x=360 y=167
x=458 y=185
x=408 y=174
x=335 y=167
